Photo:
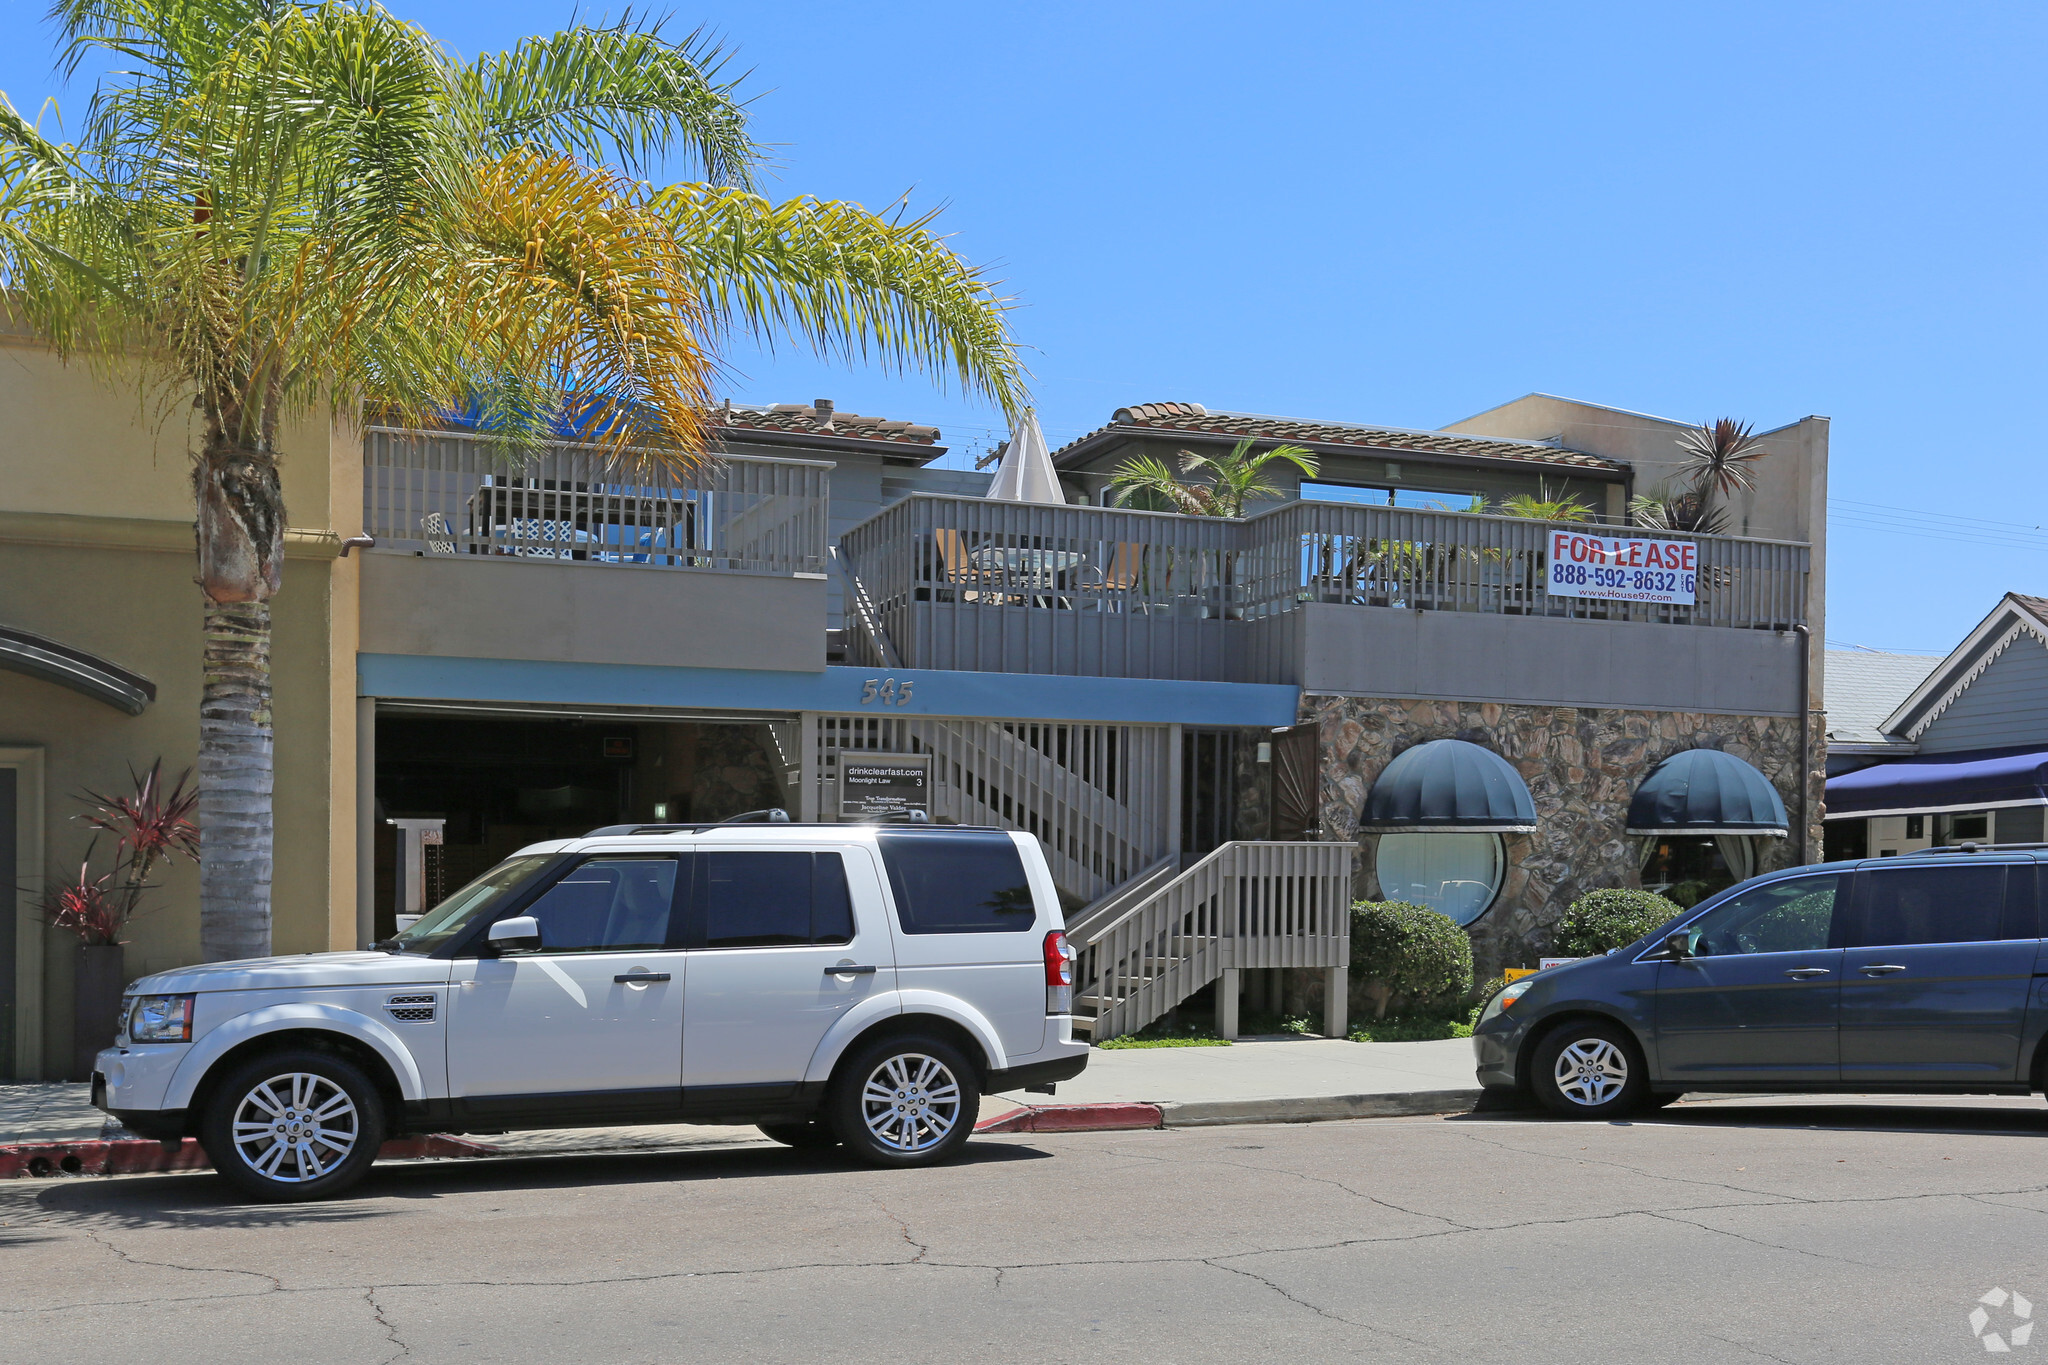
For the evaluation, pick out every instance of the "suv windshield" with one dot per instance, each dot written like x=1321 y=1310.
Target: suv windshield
x=449 y=918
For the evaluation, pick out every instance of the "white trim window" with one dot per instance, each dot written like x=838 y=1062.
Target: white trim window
x=1457 y=874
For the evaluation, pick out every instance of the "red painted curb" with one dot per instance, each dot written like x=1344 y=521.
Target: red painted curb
x=1076 y=1118
x=129 y=1156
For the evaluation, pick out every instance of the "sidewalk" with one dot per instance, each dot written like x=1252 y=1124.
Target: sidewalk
x=45 y=1129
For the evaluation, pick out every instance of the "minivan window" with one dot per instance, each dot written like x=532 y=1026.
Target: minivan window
x=966 y=882
x=1954 y=902
x=607 y=905
x=769 y=900
x=1792 y=916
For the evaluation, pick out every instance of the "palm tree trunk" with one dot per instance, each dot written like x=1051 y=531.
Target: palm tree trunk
x=241 y=550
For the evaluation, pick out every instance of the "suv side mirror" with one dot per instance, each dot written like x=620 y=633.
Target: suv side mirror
x=520 y=934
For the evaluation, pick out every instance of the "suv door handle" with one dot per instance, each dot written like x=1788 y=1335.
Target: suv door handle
x=1880 y=968
x=849 y=971
x=640 y=978
x=1801 y=973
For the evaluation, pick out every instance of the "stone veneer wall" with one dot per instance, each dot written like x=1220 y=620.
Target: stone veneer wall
x=1582 y=766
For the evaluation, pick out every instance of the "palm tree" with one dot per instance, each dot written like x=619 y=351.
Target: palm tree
x=276 y=207
x=1234 y=480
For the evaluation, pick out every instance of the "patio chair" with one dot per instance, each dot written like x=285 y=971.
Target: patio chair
x=957 y=566
x=435 y=531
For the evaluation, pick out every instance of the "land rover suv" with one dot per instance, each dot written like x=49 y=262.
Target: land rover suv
x=833 y=984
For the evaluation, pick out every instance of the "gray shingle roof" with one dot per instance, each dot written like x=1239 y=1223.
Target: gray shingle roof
x=1864 y=687
x=1193 y=417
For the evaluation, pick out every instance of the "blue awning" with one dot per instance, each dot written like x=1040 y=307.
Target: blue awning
x=1448 y=784
x=1974 y=779
x=1704 y=791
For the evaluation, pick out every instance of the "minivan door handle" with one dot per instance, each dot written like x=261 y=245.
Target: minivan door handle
x=1880 y=968
x=849 y=971
x=639 y=978
x=1801 y=973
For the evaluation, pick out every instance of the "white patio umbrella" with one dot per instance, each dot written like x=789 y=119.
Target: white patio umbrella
x=1026 y=473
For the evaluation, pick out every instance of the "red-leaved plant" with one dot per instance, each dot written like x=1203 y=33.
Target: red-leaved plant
x=150 y=825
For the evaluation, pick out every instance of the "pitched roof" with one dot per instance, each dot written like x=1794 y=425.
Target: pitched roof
x=802 y=419
x=2014 y=616
x=1193 y=417
x=1864 y=687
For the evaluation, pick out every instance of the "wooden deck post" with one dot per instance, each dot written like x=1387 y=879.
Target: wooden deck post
x=1336 y=1003
x=1227 y=990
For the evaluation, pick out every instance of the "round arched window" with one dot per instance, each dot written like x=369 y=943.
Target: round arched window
x=1454 y=874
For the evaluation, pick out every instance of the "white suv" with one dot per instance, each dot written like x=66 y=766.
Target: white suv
x=831 y=983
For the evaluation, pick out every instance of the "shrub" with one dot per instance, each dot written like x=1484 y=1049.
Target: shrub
x=1600 y=921
x=1408 y=954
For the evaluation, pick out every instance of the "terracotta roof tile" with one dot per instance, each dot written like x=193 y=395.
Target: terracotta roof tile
x=1193 y=417
x=802 y=419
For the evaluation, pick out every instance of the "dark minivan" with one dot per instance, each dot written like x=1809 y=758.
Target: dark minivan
x=1919 y=974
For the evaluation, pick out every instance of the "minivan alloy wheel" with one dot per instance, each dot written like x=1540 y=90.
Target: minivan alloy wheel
x=910 y=1102
x=295 y=1127
x=1590 y=1071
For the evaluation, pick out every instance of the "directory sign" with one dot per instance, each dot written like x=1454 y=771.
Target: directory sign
x=1623 y=568
x=881 y=786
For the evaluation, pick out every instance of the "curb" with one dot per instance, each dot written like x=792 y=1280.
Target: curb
x=1075 y=1118
x=137 y=1156
x=1320 y=1109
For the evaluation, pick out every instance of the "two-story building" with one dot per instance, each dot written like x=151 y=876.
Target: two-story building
x=1220 y=729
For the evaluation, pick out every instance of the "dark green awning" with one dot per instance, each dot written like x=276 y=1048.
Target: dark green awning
x=1704 y=791
x=1449 y=785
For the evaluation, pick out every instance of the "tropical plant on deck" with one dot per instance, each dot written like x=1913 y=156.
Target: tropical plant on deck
x=276 y=209
x=1719 y=461
x=1205 y=485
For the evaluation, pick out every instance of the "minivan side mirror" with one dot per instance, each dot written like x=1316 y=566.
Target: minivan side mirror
x=520 y=934
x=1678 y=945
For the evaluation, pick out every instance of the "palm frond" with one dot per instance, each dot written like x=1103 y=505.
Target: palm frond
x=624 y=92
x=1720 y=456
x=846 y=282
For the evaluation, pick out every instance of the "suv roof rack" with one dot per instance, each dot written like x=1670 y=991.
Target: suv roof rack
x=1970 y=846
x=771 y=817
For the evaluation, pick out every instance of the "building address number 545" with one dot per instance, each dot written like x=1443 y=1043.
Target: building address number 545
x=886 y=691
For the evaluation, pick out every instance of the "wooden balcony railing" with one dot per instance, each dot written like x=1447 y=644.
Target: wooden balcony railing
x=449 y=493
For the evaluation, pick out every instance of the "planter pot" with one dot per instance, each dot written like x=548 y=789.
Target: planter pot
x=97 y=980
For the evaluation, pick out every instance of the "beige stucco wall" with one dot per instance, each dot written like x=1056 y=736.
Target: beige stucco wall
x=96 y=552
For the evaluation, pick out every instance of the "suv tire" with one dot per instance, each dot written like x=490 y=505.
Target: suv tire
x=1589 y=1070
x=292 y=1125
x=906 y=1100
x=813 y=1136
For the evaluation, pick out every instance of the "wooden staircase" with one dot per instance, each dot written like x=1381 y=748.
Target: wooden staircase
x=1154 y=942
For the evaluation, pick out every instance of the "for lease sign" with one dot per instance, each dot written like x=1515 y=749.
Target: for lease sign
x=1623 y=568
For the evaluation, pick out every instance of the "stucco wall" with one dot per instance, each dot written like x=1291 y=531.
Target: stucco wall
x=1582 y=766
x=503 y=607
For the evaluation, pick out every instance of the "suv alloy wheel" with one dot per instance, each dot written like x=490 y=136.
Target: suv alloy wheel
x=293 y=1125
x=909 y=1100
x=1589 y=1070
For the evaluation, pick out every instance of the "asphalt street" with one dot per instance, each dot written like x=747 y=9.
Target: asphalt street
x=1724 y=1230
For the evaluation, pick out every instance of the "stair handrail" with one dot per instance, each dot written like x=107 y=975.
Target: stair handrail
x=1120 y=898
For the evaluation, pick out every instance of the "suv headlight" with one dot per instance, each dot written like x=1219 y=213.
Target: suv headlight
x=158 y=1019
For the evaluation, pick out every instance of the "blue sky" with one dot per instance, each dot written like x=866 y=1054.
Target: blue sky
x=1407 y=213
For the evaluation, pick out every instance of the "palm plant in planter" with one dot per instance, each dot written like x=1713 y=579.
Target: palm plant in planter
x=1220 y=486
x=151 y=825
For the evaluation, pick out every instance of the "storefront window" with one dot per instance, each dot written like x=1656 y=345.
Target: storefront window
x=1456 y=875
x=1686 y=869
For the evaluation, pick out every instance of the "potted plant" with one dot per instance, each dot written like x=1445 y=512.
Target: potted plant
x=150 y=825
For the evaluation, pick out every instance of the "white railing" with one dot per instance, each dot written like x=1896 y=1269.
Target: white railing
x=1245 y=905
x=451 y=493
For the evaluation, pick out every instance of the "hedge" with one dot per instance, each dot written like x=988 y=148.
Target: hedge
x=1601 y=921
x=1408 y=955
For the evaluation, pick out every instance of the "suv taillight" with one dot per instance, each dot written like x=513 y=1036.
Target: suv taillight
x=1059 y=973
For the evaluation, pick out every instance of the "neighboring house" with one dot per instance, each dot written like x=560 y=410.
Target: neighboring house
x=823 y=622
x=1959 y=754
